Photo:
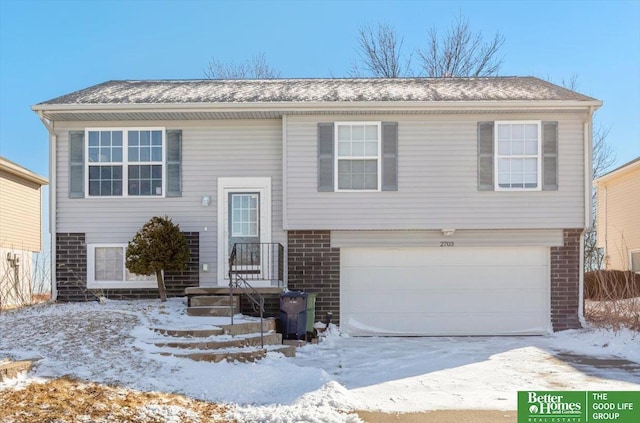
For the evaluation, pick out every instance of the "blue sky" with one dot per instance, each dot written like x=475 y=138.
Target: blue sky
x=49 y=48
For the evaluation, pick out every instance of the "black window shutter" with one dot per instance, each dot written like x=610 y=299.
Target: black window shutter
x=76 y=164
x=174 y=163
x=550 y=156
x=389 y=156
x=325 y=157
x=485 y=156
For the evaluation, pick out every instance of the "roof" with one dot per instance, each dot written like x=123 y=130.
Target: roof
x=318 y=91
x=619 y=170
x=22 y=172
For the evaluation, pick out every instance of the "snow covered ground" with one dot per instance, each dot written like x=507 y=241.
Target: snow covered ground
x=112 y=343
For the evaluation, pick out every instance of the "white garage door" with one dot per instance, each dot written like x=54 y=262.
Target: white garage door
x=444 y=291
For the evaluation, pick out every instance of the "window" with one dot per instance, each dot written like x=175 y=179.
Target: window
x=125 y=162
x=244 y=215
x=634 y=261
x=517 y=159
x=106 y=269
x=358 y=161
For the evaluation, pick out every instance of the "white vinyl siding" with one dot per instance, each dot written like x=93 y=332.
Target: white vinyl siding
x=437 y=180
x=211 y=149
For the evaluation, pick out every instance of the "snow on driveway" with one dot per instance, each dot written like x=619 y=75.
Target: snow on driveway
x=112 y=343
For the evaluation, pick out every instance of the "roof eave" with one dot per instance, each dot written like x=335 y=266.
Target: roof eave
x=321 y=106
x=19 y=171
x=620 y=171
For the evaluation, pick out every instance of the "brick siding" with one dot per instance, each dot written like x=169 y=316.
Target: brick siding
x=565 y=282
x=71 y=272
x=315 y=267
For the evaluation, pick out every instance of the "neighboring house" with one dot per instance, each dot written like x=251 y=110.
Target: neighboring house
x=20 y=231
x=451 y=206
x=618 y=213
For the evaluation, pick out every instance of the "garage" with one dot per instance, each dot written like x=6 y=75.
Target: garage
x=500 y=290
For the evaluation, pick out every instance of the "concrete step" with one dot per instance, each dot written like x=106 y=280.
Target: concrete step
x=243 y=356
x=209 y=311
x=250 y=327
x=214 y=300
x=189 y=333
x=253 y=340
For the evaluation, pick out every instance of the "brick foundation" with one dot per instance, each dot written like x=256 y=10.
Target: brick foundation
x=315 y=267
x=565 y=282
x=71 y=272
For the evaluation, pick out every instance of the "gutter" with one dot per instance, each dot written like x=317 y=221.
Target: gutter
x=317 y=106
x=52 y=200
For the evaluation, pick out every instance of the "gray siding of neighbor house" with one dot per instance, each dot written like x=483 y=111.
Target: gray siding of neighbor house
x=437 y=179
x=211 y=149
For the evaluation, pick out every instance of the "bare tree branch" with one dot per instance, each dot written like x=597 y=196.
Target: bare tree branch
x=254 y=68
x=461 y=52
x=603 y=158
x=380 y=53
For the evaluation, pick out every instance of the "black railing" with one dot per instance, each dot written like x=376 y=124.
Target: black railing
x=261 y=262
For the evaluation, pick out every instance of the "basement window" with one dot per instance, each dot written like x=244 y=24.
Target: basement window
x=106 y=269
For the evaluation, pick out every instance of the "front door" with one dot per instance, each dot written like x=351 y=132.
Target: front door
x=243 y=230
x=244 y=220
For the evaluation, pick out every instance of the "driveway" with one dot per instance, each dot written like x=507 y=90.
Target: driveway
x=470 y=373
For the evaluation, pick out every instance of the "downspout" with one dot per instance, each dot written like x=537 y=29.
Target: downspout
x=285 y=215
x=588 y=189
x=52 y=200
x=605 y=227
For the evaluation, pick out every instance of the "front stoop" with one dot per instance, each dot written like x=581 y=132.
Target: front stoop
x=212 y=305
x=239 y=342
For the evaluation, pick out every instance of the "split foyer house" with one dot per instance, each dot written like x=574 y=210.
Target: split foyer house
x=618 y=213
x=20 y=231
x=452 y=206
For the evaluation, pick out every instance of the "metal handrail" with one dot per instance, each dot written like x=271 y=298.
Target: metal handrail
x=254 y=296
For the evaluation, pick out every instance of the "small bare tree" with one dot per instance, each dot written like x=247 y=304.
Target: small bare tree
x=461 y=52
x=254 y=68
x=380 y=53
x=602 y=159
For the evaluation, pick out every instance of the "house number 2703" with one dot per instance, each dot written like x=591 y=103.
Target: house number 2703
x=447 y=243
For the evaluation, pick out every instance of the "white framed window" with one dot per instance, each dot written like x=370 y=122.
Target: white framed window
x=106 y=269
x=634 y=260
x=125 y=162
x=358 y=148
x=518 y=158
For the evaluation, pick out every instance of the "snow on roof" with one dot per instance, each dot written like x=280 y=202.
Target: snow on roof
x=319 y=90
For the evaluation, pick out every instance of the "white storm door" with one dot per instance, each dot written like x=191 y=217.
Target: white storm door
x=244 y=216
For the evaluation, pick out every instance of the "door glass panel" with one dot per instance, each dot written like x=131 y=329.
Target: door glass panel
x=244 y=229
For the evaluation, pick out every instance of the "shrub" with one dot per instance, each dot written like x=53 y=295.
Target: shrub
x=611 y=285
x=159 y=246
x=612 y=299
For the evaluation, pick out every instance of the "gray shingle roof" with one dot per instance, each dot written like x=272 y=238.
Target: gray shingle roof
x=319 y=90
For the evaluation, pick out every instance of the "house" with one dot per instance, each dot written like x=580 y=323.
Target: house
x=20 y=231
x=452 y=206
x=618 y=214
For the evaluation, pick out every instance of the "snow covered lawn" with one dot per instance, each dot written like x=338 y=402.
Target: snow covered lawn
x=112 y=344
